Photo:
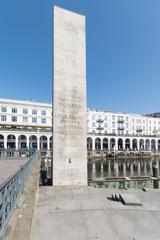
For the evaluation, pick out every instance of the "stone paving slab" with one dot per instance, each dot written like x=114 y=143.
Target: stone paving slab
x=130 y=199
x=87 y=214
x=8 y=167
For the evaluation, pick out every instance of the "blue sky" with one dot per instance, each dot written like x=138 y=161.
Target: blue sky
x=123 y=51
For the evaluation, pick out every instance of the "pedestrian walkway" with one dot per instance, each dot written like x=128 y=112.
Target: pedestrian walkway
x=10 y=166
x=87 y=214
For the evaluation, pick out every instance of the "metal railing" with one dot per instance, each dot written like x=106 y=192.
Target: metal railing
x=100 y=128
x=121 y=128
x=10 y=191
x=120 y=120
x=139 y=130
x=100 y=120
x=124 y=135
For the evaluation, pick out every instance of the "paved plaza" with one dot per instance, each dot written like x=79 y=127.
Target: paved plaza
x=10 y=166
x=87 y=214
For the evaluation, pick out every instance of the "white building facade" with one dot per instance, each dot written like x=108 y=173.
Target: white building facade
x=122 y=131
x=28 y=125
x=25 y=124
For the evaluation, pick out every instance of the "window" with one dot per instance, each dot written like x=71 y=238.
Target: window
x=34 y=120
x=113 y=131
x=120 y=125
x=43 y=120
x=43 y=113
x=14 y=119
x=113 y=125
x=119 y=132
x=93 y=124
x=14 y=110
x=25 y=119
x=105 y=118
x=127 y=125
x=120 y=118
x=3 y=109
x=25 y=111
x=3 y=118
x=105 y=125
x=113 y=117
x=93 y=117
x=127 y=119
x=34 y=112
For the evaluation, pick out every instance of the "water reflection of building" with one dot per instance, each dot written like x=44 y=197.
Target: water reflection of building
x=28 y=124
x=122 y=168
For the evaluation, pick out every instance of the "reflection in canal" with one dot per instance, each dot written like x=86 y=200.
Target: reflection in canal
x=122 y=168
x=124 y=173
x=112 y=173
x=46 y=170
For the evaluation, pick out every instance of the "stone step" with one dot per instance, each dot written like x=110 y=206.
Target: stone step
x=129 y=199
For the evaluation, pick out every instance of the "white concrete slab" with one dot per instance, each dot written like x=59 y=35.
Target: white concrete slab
x=130 y=199
x=88 y=215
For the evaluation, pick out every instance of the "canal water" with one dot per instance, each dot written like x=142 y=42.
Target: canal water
x=111 y=173
x=122 y=168
x=123 y=173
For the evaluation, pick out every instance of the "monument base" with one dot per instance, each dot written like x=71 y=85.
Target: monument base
x=70 y=177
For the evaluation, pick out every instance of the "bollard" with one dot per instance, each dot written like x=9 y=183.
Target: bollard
x=155 y=174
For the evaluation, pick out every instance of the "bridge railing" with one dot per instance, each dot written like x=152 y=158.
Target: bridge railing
x=10 y=191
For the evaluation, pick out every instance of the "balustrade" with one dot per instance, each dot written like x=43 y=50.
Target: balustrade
x=10 y=191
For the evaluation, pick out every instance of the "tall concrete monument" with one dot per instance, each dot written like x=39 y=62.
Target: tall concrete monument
x=69 y=99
